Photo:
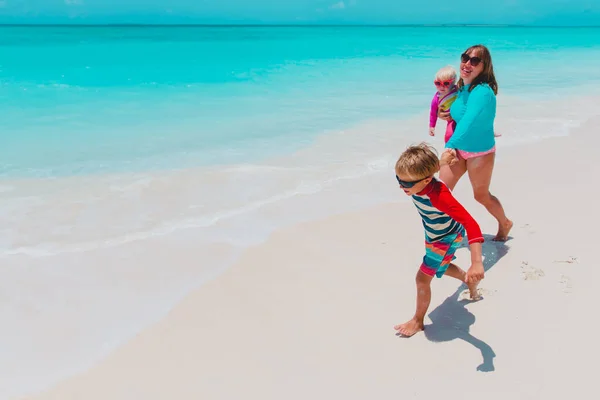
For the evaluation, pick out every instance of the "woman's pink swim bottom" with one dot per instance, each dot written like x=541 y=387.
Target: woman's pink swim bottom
x=465 y=155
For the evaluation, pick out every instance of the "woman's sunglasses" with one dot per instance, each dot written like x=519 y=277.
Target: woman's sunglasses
x=440 y=83
x=408 y=184
x=474 y=60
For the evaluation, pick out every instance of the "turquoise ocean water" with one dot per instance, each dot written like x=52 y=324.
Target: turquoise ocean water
x=119 y=140
x=96 y=100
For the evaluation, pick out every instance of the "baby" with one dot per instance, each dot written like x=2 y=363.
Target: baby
x=445 y=83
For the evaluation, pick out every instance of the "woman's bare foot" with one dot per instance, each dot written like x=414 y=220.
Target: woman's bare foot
x=503 y=231
x=410 y=328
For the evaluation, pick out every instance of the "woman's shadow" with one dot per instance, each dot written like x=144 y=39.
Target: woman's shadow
x=451 y=320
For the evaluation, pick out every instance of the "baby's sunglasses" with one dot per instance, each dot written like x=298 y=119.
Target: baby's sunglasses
x=465 y=58
x=408 y=184
x=444 y=83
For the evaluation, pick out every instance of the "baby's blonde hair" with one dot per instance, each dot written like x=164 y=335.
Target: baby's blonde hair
x=418 y=161
x=446 y=73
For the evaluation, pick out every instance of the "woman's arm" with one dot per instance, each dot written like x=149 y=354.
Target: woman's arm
x=479 y=100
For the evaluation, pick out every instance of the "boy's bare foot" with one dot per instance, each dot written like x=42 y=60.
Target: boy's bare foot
x=410 y=328
x=473 y=291
x=503 y=231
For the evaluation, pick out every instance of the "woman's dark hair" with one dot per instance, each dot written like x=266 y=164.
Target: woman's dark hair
x=487 y=75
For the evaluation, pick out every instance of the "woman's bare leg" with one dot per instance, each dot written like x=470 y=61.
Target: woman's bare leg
x=451 y=174
x=480 y=173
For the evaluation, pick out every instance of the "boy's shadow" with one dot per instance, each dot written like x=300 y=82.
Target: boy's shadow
x=451 y=320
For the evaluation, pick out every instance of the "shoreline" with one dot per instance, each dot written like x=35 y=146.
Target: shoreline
x=297 y=296
x=372 y=159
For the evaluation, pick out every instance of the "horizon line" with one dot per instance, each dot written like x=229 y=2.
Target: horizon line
x=304 y=25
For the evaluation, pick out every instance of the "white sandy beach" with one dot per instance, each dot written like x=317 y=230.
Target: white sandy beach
x=309 y=313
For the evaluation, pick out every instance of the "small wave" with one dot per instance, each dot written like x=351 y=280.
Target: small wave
x=304 y=188
x=136 y=184
x=258 y=168
x=56 y=86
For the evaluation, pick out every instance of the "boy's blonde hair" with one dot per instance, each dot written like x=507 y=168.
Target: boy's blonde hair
x=418 y=161
x=446 y=73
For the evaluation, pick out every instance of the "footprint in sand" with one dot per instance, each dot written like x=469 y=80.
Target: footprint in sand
x=466 y=295
x=528 y=228
x=567 y=286
x=568 y=260
x=530 y=273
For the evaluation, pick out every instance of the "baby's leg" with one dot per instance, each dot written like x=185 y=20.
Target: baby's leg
x=456 y=272
x=423 y=299
x=449 y=130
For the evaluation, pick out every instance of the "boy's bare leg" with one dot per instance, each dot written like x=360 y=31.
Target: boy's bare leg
x=423 y=299
x=456 y=272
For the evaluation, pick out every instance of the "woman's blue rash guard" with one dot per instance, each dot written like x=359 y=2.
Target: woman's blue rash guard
x=474 y=113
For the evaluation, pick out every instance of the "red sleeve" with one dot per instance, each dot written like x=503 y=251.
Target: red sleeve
x=442 y=199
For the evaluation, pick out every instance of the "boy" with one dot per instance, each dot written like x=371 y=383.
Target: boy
x=445 y=222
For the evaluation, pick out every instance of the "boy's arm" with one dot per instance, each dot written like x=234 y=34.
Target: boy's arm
x=477 y=271
x=433 y=112
x=443 y=200
x=476 y=253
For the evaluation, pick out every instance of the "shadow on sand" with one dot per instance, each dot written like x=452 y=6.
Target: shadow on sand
x=451 y=320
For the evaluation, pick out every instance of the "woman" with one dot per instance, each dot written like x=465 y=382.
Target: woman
x=472 y=146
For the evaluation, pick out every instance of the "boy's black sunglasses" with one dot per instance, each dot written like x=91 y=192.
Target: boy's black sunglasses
x=408 y=184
